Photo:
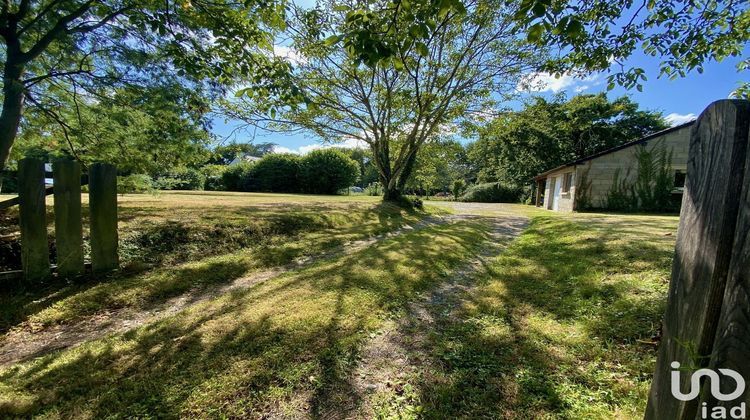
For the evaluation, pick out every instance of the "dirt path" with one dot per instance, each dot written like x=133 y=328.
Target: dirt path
x=21 y=344
x=397 y=352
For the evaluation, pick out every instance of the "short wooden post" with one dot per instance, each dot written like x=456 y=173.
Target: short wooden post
x=103 y=217
x=68 y=231
x=710 y=281
x=32 y=220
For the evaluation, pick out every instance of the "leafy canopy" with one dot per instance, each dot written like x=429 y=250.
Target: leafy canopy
x=472 y=58
x=595 y=34
x=516 y=146
x=58 y=53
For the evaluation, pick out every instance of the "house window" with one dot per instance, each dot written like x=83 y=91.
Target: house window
x=679 y=179
x=567 y=182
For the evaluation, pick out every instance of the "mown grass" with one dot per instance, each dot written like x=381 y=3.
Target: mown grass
x=286 y=347
x=559 y=326
x=172 y=243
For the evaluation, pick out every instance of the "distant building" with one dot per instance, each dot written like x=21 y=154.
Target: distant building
x=593 y=177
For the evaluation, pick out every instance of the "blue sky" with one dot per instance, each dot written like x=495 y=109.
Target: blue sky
x=680 y=99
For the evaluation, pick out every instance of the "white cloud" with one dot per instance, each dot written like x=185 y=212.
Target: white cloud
x=290 y=54
x=282 y=149
x=677 y=119
x=544 y=82
x=302 y=150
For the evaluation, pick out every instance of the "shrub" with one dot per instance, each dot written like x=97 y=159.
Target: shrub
x=327 y=171
x=374 y=189
x=492 y=192
x=135 y=183
x=213 y=175
x=237 y=177
x=181 y=179
x=458 y=187
x=651 y=190
x=620 y=195
x=276 y=172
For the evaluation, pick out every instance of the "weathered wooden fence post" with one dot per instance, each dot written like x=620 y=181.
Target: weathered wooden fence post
x=103 y=216
x=32 y=220
x=68 y=230
x=707 y=321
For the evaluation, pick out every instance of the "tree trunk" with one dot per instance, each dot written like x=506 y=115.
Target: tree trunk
x=10 y=117
x=391 y=194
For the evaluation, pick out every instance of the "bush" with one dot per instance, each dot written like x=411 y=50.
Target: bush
x=458 y=187
x=237 y=177
x=492 y=192
x=374 y=189
x=135 y=183
x=276 y=172
x=181 y=179
x=327 y=171
x=213 y=175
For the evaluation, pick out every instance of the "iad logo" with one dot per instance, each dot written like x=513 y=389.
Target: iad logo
x=737 y=412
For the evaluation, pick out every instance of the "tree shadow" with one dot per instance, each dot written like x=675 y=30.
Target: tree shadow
x=150 y=250
x=284 y=347
x=546 y=313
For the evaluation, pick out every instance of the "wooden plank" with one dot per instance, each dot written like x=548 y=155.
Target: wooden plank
x=731 y=347
x=703 y=252
x=9 y=203
x=68 y=226
x=103 y=213
x=47 y=191
x=32 y=220
x=12 y=277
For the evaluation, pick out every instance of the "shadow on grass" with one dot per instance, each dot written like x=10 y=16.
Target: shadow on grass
x=150 y=251
x=282 y=348
x=552 y=331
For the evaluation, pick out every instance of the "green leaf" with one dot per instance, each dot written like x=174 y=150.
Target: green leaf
x=535 y=32
x=422 y=49
x=539 y=9
x=332 y=40
x=398 y=64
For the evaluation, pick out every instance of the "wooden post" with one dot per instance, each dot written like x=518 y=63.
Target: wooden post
x=711 y=248
x=32 y=220
x=68 y=230
x=103 y=214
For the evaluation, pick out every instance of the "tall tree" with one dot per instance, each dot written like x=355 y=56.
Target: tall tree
x=398 y=105
x=547 y=133
x=84 y=48
x=140 y=130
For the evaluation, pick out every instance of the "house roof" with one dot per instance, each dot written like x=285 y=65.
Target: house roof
x=614 y=149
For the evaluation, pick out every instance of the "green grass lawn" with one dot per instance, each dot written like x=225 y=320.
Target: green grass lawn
x=174 y=242
x=558 y=325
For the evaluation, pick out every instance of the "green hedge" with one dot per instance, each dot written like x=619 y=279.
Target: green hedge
x=135 y=183
x=181 y=179
x=327 y=171
x=277 y=172
x=319 y=172
x=492 y=192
